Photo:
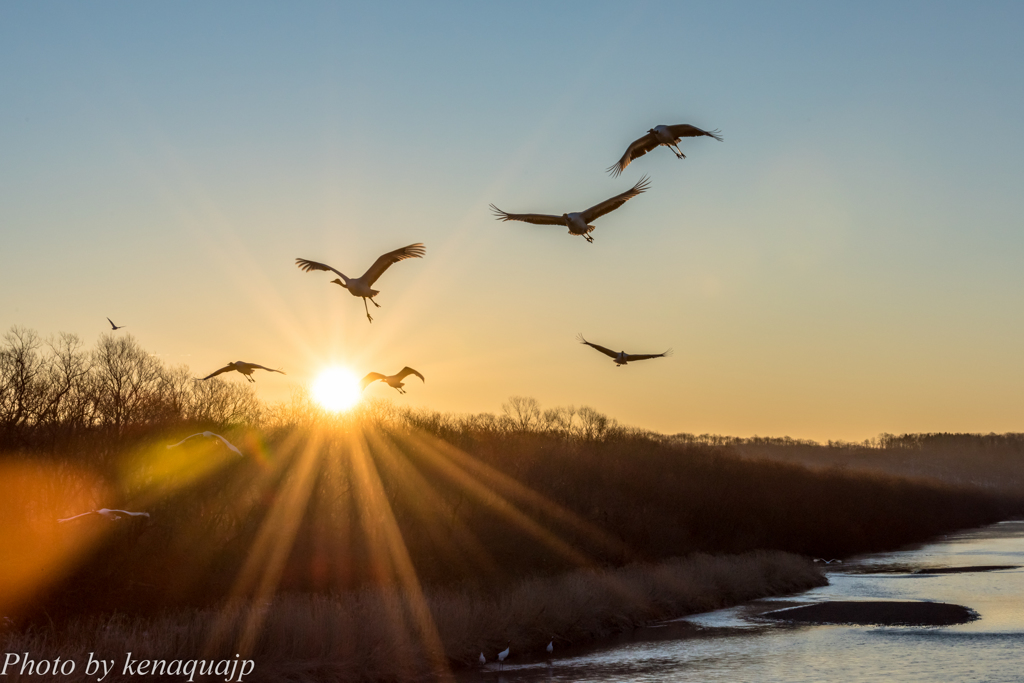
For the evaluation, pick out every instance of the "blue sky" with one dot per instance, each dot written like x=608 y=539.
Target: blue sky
x=846 y=262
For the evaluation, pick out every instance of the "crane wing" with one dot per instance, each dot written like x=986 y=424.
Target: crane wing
x=125 y=512
x=535 y=218
x=174 y=445
x=607 y=352
x=384 y=262
x=308 y=266
x=226 y=368
x=636 y=149
x=370 y=378
x=254 y=366
x=406 y=371
x=226 y=443
x=68 y=519
x=609 y=205
x=630 y=357
x=685 y=130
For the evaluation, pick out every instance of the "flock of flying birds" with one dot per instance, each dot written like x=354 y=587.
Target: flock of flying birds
x=578 y=223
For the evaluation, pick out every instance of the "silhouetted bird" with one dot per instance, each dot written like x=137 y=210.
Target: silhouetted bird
x=209 y=435
x=113 y=326
x=361 y=286
x=108 y=513
x=818 y=559
x=394 y=381
x=242 y=367
x=576 y=222
x=660 y=135
x=621 y=358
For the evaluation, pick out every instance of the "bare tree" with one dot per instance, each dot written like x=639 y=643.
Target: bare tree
x=593 y=425
x=221 y=402
x=560 y=420
x=66 y=402
x=21 y=380
x=522 y=413
x=126 y=382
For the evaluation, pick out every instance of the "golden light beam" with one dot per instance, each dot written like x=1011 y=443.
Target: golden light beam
x=265 y=562
x=453 y=463
x=430 y=506
x=374 y=498
x=517 y=491
x=488 y=475
x=156 y=472
x=514 y=515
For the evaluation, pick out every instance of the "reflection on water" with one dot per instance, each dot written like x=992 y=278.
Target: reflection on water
x=733 y=645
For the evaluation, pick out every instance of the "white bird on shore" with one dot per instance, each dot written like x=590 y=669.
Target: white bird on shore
x=241 y=366
x=577 y=222
x=112 y=515
x=113 y=326
x=483 y=660
x=209 y=435
x=621 y=358
x=660 y=135
x=551 y=647
x=362 y=286
x=503 y=654
x=393 y=381
x=818 y=559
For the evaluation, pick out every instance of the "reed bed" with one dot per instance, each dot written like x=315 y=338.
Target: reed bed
x=374 y=635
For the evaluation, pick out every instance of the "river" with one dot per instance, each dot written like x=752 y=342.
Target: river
x=737 y=645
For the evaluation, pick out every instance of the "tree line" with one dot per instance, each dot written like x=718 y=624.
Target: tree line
x=54 y=388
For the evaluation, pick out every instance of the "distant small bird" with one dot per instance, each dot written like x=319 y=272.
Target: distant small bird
x=551 y=647
x=818 y=559
x=660 y=135
x=577 y=222
x=394 y=381
x=503 y=654
x=361 y=286
x=108 y=513
x=242 y=367
x=621 y=358
x=113 y=326
x=209 y=435
x=483 y=660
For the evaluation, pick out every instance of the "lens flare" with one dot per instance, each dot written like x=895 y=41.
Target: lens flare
x=336 y=389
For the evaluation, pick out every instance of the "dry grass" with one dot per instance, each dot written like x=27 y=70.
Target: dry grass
x=372 y=635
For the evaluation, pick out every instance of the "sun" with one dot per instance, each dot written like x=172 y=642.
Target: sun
x=336 y=389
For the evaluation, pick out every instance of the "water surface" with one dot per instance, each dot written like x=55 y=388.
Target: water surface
x=736 y=645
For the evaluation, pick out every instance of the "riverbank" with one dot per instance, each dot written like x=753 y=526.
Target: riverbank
x=737 y=644
x=374 y=635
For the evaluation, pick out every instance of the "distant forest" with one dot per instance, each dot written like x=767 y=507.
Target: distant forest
x=53 y=390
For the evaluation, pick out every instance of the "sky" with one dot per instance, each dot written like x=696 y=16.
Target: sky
x=845 y=263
